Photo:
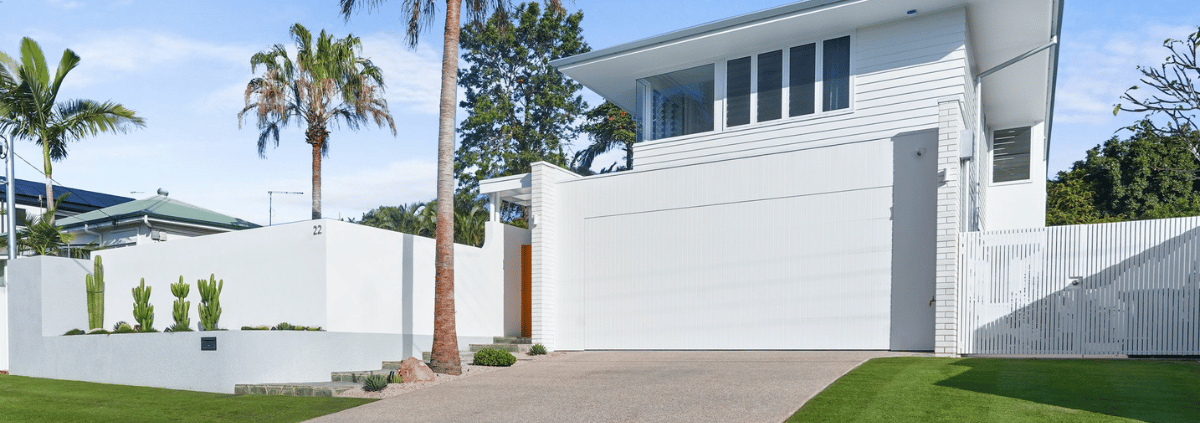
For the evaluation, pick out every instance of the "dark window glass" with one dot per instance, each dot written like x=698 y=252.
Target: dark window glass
x=770 y=86
x=802 y=78
x=1010 y=155
x=836 y=75
x=738 y=92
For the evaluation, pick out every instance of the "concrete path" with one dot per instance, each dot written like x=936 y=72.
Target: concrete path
x=626 y=386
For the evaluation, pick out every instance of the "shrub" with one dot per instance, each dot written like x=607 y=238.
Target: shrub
x=537 y=349
x=284 y=326
x=375 y=383
x=494 y=357
x=74 y=332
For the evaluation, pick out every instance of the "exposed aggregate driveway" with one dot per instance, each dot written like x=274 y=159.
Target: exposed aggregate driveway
x=626 y=386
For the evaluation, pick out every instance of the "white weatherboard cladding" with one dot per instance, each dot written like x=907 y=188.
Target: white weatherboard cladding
x=900 y=70
x=784 y=251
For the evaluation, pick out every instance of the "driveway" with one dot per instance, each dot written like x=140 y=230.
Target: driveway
x=626 y=386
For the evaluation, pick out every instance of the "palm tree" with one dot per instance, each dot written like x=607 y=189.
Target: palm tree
x=420 y=15
x=326 y=84
x=29 y=108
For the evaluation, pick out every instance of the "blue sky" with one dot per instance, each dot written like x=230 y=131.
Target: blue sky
x=183 y=65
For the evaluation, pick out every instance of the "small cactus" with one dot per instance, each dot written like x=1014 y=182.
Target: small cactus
x=95 y=294
x=210 y=302
x=143 y=312
x=180 y=291
x=375 y=383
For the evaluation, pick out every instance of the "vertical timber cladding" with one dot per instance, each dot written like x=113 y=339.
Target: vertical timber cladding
x=783 y=251
x=527 y=291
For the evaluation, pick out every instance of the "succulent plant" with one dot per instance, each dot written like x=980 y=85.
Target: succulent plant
x=210 y=302
x=182 y=321
x=375 y=383
x=95 y=294
x=143 y=312
x=74 y=332
x=537 y=349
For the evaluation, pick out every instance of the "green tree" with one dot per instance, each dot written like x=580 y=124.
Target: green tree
x=30 y=109
x=328 y=83
x=609 y=127
x=1148 y=176
x=470 y=215
x=520 y=110
x=418 y=15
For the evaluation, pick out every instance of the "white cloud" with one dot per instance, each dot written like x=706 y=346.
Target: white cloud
x=1098 y=66
x=65 y=4
x=398 y=183
x=143 y=51
x=413 y=77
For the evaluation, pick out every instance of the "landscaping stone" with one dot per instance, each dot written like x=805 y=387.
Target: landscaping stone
x=414 y=370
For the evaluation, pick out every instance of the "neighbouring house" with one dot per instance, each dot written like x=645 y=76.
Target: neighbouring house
x=154 y=219
x=800 y=178
x=31 y=202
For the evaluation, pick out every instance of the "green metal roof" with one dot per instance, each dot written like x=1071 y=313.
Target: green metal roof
x=159 y=207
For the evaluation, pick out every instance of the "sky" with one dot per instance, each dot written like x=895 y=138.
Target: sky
x=184 y=65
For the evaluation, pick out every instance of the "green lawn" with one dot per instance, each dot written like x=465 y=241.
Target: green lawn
x=923 y=389
x=25 y=399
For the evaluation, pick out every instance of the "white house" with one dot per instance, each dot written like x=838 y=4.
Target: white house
x=801 y=178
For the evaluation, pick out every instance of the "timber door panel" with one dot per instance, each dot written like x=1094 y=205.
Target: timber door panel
x=527 y=290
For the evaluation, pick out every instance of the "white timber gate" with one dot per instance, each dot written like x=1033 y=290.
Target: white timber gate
x=1130 y=288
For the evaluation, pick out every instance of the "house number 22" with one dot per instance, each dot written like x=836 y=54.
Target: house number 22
x=316 y=229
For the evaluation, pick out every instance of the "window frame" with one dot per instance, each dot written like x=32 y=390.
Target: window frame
x=721 y=83
x=991 y=177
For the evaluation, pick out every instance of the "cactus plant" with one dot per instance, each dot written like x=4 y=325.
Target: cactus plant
x=375 y=383
x=143 y=312
x=210 y=302
x=182 y=321
x=95 y=295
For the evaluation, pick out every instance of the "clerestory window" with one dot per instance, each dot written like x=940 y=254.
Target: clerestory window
x=1010 y=155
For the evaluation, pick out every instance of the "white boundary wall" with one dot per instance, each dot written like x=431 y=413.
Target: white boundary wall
x=1130 y=288
x=371 y=289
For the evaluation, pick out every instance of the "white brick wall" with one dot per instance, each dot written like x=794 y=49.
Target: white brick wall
x=945 y=289
x=544 y=213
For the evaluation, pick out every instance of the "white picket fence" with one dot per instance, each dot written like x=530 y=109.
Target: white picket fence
x=1130 y=288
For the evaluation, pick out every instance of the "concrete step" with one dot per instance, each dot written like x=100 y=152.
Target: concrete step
x=357 y=376
x=314 y=389
x=512 y=348
x=512 y=340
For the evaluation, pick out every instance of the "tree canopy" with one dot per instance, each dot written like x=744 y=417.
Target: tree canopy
x=610 y=128
x=520 y=109
x=1170 y=91
x=1148 y=176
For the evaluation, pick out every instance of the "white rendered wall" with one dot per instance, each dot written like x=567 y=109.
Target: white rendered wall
x=3 y=328
x=348 y=278
x=1021 y=204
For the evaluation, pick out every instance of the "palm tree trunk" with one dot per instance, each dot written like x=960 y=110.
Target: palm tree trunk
x=316 y=180
x=49 y=181
x=445 y=357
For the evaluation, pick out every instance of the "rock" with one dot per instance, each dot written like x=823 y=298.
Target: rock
x=414 y=370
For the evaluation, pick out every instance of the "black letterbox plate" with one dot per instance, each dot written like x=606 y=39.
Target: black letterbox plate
x=208 y=343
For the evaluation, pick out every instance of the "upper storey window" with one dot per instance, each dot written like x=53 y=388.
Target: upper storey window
x=799 y=80
x=676 y=103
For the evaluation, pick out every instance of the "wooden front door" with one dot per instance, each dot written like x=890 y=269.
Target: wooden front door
x=527 y=291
